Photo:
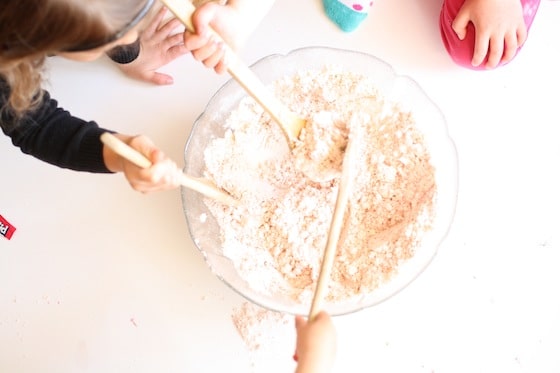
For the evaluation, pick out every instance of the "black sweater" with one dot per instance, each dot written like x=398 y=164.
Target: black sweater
x=53 y=135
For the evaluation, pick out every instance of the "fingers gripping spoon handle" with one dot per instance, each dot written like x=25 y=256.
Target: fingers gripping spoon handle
x=290 y=122
x=202 y=186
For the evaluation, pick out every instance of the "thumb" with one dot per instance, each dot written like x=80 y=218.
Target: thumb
x=202 y=18
x=460 y=25
x=300 y=322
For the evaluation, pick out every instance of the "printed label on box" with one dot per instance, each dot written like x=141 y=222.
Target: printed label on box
x=6 y=229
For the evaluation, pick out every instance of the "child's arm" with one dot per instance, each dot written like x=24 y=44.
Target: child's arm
x=316 y=344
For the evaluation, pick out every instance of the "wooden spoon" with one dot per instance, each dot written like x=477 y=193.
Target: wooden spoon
x=344 y=189
x=290 y=122
x=197 y=184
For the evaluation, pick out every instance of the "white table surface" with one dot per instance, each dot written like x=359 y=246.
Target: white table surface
x=99 y=278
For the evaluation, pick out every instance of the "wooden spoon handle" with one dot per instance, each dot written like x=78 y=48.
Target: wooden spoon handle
x=200 y=185
x=290 y=122
x=344 y=189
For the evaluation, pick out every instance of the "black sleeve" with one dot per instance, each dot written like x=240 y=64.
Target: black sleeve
x=124 y=54
x=53 y=135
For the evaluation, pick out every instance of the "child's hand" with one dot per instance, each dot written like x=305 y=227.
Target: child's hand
x=499 y=29
x=207 y=47
x=233 y=22
x=160 y=43
x=163 y=174
x=316 y=344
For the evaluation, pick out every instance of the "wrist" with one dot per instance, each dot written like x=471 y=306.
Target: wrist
x=313 y=365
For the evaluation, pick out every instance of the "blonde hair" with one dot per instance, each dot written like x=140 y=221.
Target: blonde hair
x=31 y=30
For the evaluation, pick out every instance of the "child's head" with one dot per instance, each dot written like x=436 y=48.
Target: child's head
x=31 y=30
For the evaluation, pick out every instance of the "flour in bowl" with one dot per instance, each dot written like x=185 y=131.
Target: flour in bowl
x=277 y=235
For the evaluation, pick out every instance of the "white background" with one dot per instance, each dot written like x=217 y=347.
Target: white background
x=99 y=278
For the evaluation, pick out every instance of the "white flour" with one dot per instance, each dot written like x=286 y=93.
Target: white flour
x=277 y=236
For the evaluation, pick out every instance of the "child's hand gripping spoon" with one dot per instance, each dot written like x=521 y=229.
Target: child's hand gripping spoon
x=197 y=184
x=290 y=122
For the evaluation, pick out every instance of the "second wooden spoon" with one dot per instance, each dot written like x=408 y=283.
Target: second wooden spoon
x=344 y=190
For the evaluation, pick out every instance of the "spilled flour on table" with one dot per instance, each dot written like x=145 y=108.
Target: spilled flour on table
x=265 y=334
x=256 y=325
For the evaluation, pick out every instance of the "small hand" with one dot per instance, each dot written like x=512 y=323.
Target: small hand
x=315 y=344
x=205 y=46
x=499 y=29
x=163 y=174
x=160 y=43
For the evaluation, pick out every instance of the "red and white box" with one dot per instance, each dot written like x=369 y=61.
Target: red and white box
x=6 y=229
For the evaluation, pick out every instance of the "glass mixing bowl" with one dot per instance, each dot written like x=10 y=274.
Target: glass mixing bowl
x=403 y=90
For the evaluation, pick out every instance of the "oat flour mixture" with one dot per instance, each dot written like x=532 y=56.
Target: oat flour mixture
x=277 y=236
